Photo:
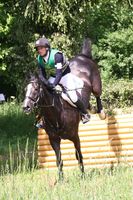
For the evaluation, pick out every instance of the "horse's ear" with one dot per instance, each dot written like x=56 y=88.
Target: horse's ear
x=36 y=74
x=29 y=75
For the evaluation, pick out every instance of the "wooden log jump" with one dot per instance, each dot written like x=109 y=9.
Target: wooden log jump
x=103 y=143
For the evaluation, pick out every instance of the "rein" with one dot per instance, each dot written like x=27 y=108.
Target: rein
x=45 y=106
x=32 y=99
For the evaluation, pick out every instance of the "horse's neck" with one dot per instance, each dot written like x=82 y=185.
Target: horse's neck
x=47 y=97
x=51 y=109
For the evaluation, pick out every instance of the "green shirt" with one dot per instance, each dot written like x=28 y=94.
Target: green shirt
x=50 y=64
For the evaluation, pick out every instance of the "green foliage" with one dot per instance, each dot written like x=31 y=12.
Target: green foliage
x=115 y=55
x=62 y=42
x=5 y=24
x=65 y=23
x=12 y=115
x=117 y=94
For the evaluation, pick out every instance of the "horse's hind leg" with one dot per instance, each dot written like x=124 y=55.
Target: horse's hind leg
x=55 y=143
x=79 y=156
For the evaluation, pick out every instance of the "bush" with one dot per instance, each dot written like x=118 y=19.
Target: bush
x=115 y=56
x=117 y=94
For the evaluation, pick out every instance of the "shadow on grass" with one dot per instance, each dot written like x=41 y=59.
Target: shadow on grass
x=114 y=139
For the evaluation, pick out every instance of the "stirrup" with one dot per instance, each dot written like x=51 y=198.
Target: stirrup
x=85 y=118
x=39 y=124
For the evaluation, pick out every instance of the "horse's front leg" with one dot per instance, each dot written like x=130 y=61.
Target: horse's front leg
x=79 y=156
x=100 y=110
x=55 y=143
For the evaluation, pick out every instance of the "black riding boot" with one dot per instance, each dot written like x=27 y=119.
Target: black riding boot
x=84 y=114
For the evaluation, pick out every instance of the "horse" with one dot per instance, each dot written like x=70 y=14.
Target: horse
x=61 y=120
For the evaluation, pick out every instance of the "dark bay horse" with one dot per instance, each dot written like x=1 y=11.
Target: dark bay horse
x=61 y=120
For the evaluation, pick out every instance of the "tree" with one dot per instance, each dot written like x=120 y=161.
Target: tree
x=65 y=23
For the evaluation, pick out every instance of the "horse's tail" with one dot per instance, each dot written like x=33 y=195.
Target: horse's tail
x=86 y=48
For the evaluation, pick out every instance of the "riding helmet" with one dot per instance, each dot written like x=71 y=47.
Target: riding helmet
x=42 y=42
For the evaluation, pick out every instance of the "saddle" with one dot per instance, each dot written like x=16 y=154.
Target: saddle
x=59 y=89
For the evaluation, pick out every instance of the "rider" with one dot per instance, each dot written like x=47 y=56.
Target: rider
x=52 y=63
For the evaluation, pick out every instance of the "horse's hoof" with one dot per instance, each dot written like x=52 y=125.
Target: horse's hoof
x=60 y=180
x=61 y=177
x=102 y=115
x=83 y=175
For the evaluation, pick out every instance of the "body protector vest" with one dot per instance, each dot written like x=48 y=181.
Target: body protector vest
x=49 y=66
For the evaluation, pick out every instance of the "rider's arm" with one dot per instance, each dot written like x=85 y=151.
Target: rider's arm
x=58 y=65
x=42 y=74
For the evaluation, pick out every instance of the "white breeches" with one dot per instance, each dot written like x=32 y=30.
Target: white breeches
x=72 y=84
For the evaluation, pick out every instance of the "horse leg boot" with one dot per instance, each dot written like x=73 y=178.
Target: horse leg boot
x=84 y=114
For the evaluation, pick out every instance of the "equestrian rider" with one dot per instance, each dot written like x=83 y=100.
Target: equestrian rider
x=52 y=62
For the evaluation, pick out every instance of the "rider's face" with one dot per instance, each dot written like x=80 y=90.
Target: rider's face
x=42 y=51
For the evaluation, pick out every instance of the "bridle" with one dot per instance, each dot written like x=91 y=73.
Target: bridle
x=35 y=101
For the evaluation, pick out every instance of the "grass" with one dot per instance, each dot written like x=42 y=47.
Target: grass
x=40 y=185
x=18 y=136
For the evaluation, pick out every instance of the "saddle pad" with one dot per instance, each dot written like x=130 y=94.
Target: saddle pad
x=78 y=87
x=66 y=98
